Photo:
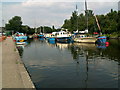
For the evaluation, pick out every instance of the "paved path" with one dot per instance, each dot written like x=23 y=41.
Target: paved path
x=14 y=74
x=0 y=65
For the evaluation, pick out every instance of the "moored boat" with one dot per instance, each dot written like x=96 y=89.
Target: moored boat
x=50 y=37
x=30 y=36
x=101 y=40
x=63 y=36
x=40 y=36
x=84 y=39
x=20 y=38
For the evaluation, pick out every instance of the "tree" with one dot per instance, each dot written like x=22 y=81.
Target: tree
x=14 y=24
x=74 y=21
x=44 y=29
x=67 y=24
x=109 y=23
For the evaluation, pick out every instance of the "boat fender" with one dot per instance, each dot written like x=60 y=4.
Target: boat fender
x=21 y=40
x=107 y=44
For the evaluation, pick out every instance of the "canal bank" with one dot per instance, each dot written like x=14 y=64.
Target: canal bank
x=14 y=73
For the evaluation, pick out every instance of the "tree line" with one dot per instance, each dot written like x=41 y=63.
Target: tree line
x=109 y=23
x=15 y=25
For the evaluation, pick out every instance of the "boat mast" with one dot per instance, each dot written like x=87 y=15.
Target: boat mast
x=86 y=13
x=77 y=16
x=98 y=24
x=35 y=27
x=40 y=29
x=43 y=29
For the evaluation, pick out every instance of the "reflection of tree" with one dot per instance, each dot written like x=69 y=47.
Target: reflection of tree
x=87 y=68
x=92 y=53
x=20 y=49
x=80 y=50
x=29 y=42
x=74 y=51
x=111 y=52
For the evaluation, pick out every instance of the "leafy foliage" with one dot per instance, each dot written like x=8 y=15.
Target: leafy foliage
x=109 y=23
x=14 y=24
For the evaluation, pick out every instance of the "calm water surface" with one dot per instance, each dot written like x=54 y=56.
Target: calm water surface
x=73 y=65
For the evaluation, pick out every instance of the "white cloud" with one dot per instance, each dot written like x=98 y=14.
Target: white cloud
x=102 y=7
x=41 y=13
x=36 y=3
x=49 y=13
x=59 y=0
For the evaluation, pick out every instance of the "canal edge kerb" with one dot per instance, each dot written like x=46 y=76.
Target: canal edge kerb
x=25 y=76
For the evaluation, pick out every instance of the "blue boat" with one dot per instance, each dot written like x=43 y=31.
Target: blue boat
x=64 y=39
x=41 y=36
x=52 y=42
x=41 y=39
x=51 y=39
x=20 y=38
x=101 y=40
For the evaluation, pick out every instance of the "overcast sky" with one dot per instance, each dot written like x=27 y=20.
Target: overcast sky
x=51 y=12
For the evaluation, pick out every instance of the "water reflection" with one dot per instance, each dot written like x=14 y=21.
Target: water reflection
x=77 y=63
x=62 y=46
x=20 y=49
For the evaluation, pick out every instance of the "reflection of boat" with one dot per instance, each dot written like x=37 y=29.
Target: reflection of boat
x=20 y=49
x=51 y=41
x=20 y=46
x=85 y=45
x=102 y=45
x=62 y=45
x=41 y=39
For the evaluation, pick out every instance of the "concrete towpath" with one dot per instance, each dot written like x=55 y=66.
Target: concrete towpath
x=14 y=74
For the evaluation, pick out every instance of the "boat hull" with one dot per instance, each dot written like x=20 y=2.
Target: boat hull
x=21 y=43
x=63 y=39
x=85 y=40
x=101 y=40
x=18 y=38
x=40 y=36
x=51 y=39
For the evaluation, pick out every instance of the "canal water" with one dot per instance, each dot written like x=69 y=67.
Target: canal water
x=71 y=65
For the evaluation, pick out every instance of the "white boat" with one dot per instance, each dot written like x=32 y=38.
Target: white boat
x=63 y=36
x=84 y=39
x=80 y=35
